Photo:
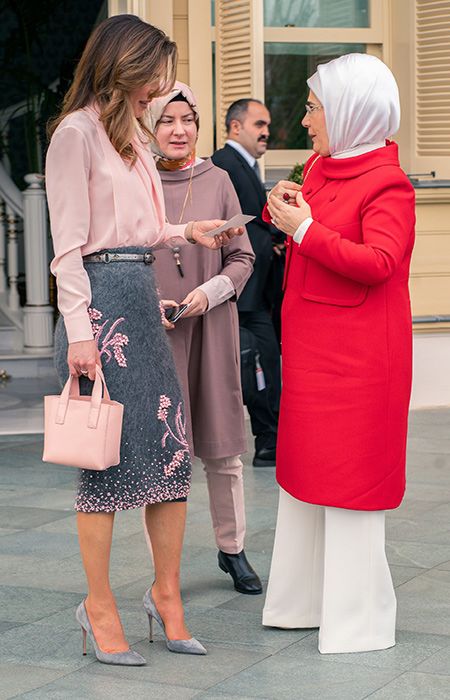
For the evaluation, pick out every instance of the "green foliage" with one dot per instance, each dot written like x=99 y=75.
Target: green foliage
x=296 y=174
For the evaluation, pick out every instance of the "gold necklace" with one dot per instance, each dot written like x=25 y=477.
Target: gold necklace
x=188 y=194
x=176 y=250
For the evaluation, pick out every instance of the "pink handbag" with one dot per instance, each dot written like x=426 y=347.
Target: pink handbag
x=83 y=431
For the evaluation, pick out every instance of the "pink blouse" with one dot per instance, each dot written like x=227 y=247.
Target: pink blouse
x=96 y=201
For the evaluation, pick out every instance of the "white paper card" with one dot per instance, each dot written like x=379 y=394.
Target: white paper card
x=234 y=222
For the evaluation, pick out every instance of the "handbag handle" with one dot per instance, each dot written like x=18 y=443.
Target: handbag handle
x=72 y=389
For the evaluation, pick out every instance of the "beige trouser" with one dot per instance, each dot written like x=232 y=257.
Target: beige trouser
x=329 y=570
x=226 y=502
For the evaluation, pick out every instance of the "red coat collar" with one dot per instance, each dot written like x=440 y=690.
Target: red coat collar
x=346 y=168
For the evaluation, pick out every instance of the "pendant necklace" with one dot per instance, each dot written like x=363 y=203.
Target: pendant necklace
x=176 y=250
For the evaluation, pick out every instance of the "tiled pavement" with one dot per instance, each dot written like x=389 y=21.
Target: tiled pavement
x=41 y=581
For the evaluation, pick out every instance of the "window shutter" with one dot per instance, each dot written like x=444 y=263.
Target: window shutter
x=433 y=81
x=239 y=56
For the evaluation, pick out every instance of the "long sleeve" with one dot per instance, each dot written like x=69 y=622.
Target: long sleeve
x=174 y=231
x=238 y=256
x=218 y=289
x=67 y=184
x=387 y=222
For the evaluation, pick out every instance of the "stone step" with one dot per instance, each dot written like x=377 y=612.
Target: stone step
x=21 y=365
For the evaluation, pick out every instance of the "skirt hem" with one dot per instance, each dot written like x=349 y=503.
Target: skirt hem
x=147 y=501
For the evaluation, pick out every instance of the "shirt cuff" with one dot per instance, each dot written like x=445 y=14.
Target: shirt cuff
x=302 y=229
x=218 y=289
x=78 y=328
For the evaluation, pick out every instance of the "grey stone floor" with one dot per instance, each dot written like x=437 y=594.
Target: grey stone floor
x=41 y=581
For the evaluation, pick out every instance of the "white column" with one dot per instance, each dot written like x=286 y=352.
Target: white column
x=13 y=260
x=38 y=314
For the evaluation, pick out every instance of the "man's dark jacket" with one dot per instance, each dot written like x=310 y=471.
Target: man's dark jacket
x=258 y=291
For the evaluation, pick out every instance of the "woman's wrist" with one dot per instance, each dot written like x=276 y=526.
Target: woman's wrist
x=188 y=232
x=302 y=229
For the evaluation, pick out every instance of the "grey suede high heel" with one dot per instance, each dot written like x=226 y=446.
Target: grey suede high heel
x=120 y=658
x=178 y=646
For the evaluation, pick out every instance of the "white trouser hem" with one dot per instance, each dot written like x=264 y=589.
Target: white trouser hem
x=329 y=570
x=355 y=647
x=287 y=622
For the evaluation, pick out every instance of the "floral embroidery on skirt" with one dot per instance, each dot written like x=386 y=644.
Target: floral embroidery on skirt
x=139 y=370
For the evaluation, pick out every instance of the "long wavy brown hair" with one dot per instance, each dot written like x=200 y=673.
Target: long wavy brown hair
x=122 y=54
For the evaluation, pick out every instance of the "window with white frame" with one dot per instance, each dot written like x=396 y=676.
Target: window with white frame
x=289 y=39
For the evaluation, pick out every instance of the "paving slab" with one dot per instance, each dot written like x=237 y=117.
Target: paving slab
x=42 y=581
x=39 y=544
x=420 y=554
x=411 y=649
x=52 y=498
x=20 y=517
x=87 y=686
x=438 y=663
x=415 y=686
x=8 y=625
x=185 y=670
x=19 y=678
x=26 y=604
x=307 y=678
x=402 y=574
x=424 y=603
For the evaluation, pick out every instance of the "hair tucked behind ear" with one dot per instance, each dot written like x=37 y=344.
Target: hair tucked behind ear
x=122 y=54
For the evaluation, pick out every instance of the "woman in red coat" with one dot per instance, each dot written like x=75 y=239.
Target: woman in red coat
x=346 y=348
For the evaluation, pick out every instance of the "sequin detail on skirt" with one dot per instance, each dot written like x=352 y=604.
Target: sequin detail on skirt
x=137 y=362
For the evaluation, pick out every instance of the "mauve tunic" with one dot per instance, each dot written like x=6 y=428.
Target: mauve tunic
x=347 y=336
x=206 y=348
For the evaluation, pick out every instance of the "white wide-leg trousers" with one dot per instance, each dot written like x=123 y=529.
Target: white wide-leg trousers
x=329 y=570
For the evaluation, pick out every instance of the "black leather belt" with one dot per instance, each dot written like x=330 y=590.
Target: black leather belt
x=146 y=258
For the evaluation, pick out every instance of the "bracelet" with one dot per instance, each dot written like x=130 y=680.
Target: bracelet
x=188 y=232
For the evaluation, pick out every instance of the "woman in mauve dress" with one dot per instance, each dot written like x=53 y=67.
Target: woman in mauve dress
x=205 y=341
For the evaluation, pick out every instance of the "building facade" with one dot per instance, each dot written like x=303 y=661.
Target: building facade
x=266 y=49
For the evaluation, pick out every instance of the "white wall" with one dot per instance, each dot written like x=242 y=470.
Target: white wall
x=431 y=375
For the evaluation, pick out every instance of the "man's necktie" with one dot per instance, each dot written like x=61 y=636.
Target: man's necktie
x=257 y=170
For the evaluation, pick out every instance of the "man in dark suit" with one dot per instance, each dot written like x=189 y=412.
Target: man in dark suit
x=247 y=122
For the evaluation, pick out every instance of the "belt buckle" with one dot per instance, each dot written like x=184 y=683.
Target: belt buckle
x=148 y=258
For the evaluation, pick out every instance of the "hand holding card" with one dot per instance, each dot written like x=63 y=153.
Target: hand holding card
x=235 y=221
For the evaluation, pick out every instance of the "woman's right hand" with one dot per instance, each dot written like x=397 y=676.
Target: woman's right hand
x=288 y=188
x=83 y=355
x=199 y=228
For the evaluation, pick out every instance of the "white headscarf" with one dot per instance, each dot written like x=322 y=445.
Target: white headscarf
x=360 y=98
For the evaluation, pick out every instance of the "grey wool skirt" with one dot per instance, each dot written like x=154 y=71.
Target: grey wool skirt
x=155 y=463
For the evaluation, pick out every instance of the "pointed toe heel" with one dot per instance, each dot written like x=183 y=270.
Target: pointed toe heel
x=178 y=646
x=121 y=658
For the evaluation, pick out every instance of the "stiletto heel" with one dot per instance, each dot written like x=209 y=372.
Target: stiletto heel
x=179 y=646
x=150 y=624
x=120 y=658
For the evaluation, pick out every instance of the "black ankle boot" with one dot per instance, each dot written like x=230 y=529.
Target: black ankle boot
x=245 y=579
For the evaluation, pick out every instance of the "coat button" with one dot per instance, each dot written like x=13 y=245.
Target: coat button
x=333 y=197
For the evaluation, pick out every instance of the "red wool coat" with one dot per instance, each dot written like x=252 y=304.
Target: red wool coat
x=347 y=336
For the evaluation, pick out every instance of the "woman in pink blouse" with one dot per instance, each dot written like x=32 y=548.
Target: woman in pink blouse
x=107 y=212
